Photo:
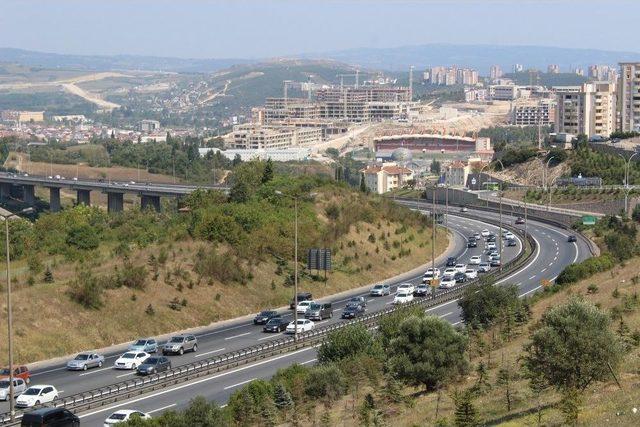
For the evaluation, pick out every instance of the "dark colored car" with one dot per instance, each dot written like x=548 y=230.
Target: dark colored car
x=422 y=290
x=154 y=365
x=495 y=262
x=452 y=261
x=472 y=243
x=302 y=296
x=352 y=311
x=50 y=417
x=519 y=220
x=358 y=300
x=264 y=316
x=276 y=324
x=460 y=277
x=572 y=239
x=491 y=238
x=511 y=242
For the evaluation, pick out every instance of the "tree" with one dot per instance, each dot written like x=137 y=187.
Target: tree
x=282 y=398
x=251 y=402
x=506 y=376
x=466 y=413
x=363 y=184
x=83 y=237
x=428 y=352
x=483 y=305
x=267 y=175
x=347 y=342
x=236 y=160
x=48 y=276
x=435 y=167
x=572 y=348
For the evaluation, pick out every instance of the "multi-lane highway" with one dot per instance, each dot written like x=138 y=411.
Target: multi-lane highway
x=551 y=255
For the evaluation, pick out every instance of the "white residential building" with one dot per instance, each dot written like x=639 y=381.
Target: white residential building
x=383 y=177
x=456 y=174
x=588 y=109
x=630 y=96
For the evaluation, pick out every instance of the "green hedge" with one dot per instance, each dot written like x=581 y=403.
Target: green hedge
x=576 y=272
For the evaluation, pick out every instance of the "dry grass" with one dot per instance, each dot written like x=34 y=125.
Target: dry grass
x=48 y=324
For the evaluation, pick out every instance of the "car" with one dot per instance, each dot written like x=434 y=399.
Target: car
x=485 y=233
x=154 y=365
x=494 y=255
x=264 y=316
x=358 y=300
x=131 y=360
x=511 y=242
x=472 y=243
x=18 y=372
x=58 y=177
x=148 y=345
x=275 y=324
x=303 y=306
x=422 y=290
x=495 y=263
x=475 y=260
x=572 y=239
x=464 y=209
x=520 y=220
x=509 y=235
x=491 y=238
x=451 y=261
x=75 y=178
x=447 y=282
x=302 y=325
x=430 y=272
x=19 y=386
x=380 y=290
x=449 y=271
x=405 y=288
x=351 y=311
x=460 y=268
x=484 y=267
x=477 y=236
x=124 y=415
x=180 y=344
x=403 y=297
x=59 y=417
x=301 y=296
x=37 y=395
x=460 y=277
x=471 y=273
x=491 y=246
x=84 y=361
x=320 y=311
x=132 y=182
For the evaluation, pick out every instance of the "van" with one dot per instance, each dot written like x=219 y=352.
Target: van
x=302 y=296
x=319 y=311
x=50 y=417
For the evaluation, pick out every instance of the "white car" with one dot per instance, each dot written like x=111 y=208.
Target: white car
x=460 y=268
x=485 y=233
x=405 y=288
x=37 y=395
x=131 y=360
x=303 y=325
x=447 y=282
x=491 y=246
x=403 y=297
x=124 y=415
x=475 y=260
x=303 y=306
x=509 y=235
x=471 y=273
x=430 y=273
x=484 y=267
x=19 y=387
x=449 y=272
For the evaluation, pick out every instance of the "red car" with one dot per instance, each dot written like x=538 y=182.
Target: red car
x=519 y=220
x=18 y=372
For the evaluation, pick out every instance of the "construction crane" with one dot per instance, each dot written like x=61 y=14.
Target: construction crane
x=356 y=75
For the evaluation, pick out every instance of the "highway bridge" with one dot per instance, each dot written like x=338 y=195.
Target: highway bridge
x=551 y=254
x=149 y=193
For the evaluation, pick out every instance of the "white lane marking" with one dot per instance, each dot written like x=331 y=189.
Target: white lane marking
x=555 y=258
x=576 y=257
x=269 y=337
x=94 y=371
x=532 y=290
x=457 y=323
x=224 y=330
x=50 y=370
x=162 y=409
x=446 y=314
x=125 y=375
x=543 y=270
x=237 y=336
x=180 y=387
x=239 y=384
x=441 y=305
x=532 y=277
x=308 y=361
x=525 y=267
x=209 y=352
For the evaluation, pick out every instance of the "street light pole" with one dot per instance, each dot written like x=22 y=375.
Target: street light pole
x=295 y=274
x=500 y=221
x=626 y=180
x=433 y=237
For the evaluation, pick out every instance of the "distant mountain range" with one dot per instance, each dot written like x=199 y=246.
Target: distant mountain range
x=480 y=57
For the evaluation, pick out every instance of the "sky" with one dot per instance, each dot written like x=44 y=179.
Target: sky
x=269 y=28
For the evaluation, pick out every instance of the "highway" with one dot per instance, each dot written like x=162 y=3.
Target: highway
x=553 y=253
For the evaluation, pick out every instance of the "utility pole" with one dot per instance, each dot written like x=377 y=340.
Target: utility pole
x=433 y=237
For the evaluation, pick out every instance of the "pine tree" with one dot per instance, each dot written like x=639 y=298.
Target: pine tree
x=482 y=384
x=466 y=413
x=267 y=175
x=363 y=184
x=48 y=276
x=282 y=398
x=506 y=376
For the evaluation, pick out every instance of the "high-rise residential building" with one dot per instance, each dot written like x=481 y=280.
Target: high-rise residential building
x=534 y=112
x=517 y=68
x=588 y=109
x=553 y=69
x=630 y=96
x=495 y=72
x=447 y=76
x=579 y=71
x=601 y=72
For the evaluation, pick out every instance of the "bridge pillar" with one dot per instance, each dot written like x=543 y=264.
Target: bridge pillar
x=5 y=191
x=29 y=194
x=54 y=199
x=150 y=201
x=115 y=202
x=84 y=197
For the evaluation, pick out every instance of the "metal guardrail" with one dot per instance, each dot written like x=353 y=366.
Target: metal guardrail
x=112 y=393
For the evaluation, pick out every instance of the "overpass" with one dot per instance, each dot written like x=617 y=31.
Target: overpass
x=149 y=193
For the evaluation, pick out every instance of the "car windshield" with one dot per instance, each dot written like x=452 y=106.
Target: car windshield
x=377 y=287
x=5 y=371
x=4 y=384
x=117 y=416
x=32 y=392
x=152 y=361
x=82 y=357
x=314 y=306
x=301 y=322
x=265 y=313
x=273 y=321
x=177 y=339
x=129 y=356
x=140 y=342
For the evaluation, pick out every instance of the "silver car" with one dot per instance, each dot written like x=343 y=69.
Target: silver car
x=19 y=387
x=84 y=361
x=180 y=344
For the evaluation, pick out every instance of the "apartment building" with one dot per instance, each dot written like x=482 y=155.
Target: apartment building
x=495 y=72
x=629 y=96
x=588 y=109
x=503 y=92
x=383 y=177
x=22 y=116
x=553 y=69
x=148 y=126
x=448 y=76
x=456 y=174
x=255 y=136
x=534 y=112
x=290 y=108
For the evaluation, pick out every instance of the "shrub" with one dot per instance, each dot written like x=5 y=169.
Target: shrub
x=132 y=277
x=576 y=272
x=86 y=290
x=326 y=382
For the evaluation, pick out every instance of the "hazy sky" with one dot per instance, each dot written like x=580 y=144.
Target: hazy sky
x=265 y=28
